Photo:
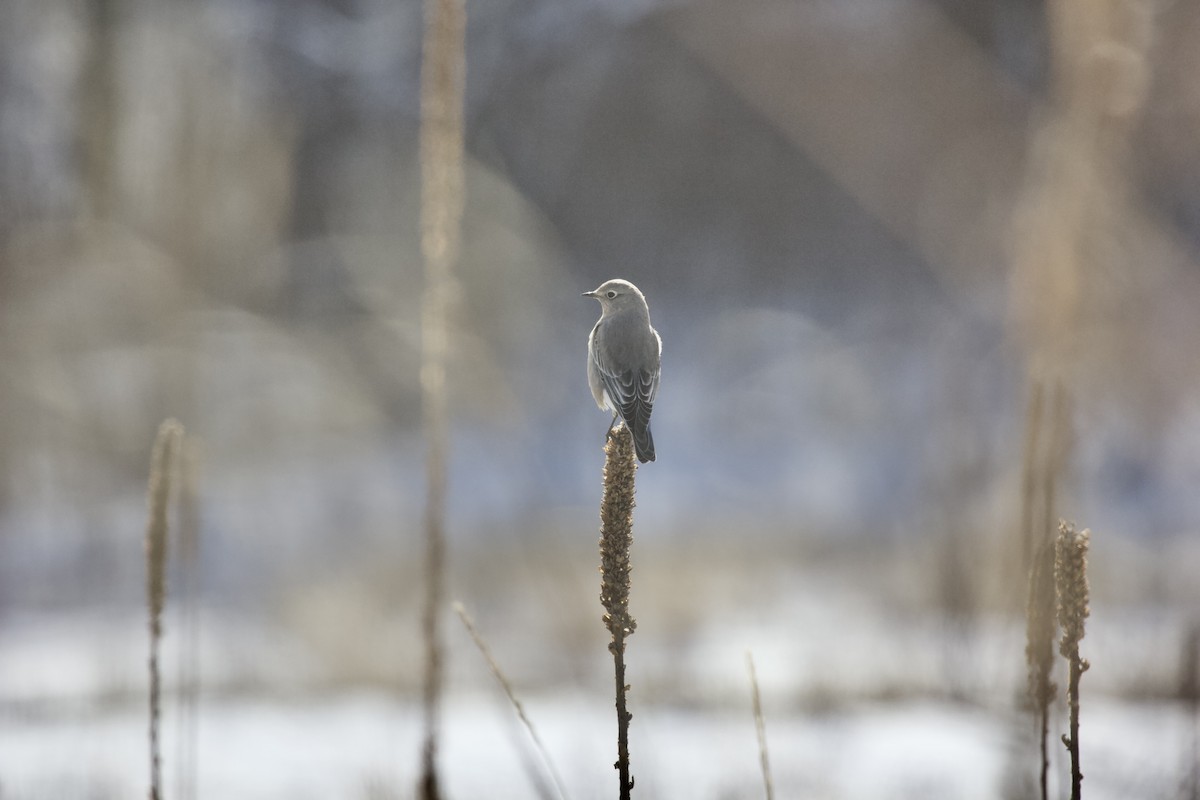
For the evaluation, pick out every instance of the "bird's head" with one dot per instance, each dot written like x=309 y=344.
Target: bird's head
x=617 y=295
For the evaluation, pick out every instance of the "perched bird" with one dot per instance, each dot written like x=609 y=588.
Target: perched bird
x=624 y=354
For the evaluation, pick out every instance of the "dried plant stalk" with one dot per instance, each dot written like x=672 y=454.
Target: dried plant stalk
x=1047 y=447
x=1189 y=696
x=1070 y=578
x=166 y=444
x=1058 y=451
x=505 y=684
x=616 y=536
x=1040 y=630
x=442 y=78
x=1029 y=462
x=189 y=616
x=760 y=728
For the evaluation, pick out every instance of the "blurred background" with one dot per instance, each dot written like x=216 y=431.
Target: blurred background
x=867 y=231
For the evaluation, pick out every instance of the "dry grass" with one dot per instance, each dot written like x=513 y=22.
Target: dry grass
x=506 y=684
x=1076 y=192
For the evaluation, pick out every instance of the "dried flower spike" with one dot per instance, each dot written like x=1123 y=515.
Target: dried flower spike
x=616 y=533
x=1070 y=577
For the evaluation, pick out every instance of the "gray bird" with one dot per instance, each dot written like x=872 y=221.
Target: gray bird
x=624 y=354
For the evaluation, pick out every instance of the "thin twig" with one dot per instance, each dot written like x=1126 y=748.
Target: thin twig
x=486 y=652
x=760 y=728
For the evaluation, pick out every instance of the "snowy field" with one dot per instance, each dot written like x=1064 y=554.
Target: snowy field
x=853 y=710
x=362 y=745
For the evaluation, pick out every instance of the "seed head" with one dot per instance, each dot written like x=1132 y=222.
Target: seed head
x=1070 y=577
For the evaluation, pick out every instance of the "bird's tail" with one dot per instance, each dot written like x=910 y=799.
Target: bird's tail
x=643 y=443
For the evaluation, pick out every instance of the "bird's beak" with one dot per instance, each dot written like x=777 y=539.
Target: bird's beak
x=590 y=294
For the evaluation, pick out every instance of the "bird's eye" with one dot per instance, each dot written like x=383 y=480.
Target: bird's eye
x=611 y=295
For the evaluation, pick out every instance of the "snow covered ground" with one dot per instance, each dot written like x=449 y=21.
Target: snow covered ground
x=366 y=745
x=73 y=719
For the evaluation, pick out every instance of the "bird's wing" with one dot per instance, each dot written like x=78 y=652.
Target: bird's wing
x=632 y=390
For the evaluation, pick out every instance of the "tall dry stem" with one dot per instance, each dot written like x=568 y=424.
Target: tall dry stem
x=442 y=77
x=1030 y=530
x=616 y=536
x=1070 y=578
x=760 y=728
x=162 y=461
x=1189 y=696
x=189 y=617
x=1040 y=629
x=1048 y=441
x=511 y=693
x=1058 y=450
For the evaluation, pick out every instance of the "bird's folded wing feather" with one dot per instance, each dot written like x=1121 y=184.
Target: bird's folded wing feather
x=632 y=390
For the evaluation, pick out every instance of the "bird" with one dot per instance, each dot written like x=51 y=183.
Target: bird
x=624 y=358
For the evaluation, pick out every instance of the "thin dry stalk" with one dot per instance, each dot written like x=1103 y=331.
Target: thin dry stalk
x=442 y=78
x=1070 y=578
x=505 y=684
x=1039 y=650
x=1046 y=451
x=1189 y=695
x=189 y=617
x=1057 y=452
x=1029 y=526
x=1047 y=446
x=166 y=443
x=616 y=536
x=760 y=727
